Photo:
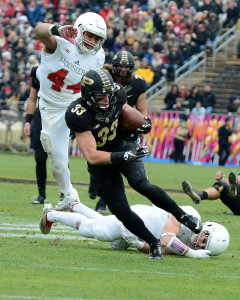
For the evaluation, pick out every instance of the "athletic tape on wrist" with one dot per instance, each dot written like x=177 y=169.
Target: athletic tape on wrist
x=176 y=246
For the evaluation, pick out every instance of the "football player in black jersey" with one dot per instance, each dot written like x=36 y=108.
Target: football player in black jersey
x=227 y=190
x=33 y=114
x=135 y=86
x=40 y=155
x=94 y=118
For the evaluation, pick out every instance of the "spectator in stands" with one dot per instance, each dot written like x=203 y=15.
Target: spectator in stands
x=33 y=13
x=134 y=15
x=233 y=105
x=198 y=110
x=182 y=134
x=149 y=55
x=174 y=61
x=190 y=26
x=130 y=39
x=63 y=9
x=109 y=43
x=200 y=37
x=104 y=12
x=206 y=6
x=137 y=30
x=158 y=67
x=208 y=99
x=156 y=43
x=213 y=29
x=9 y=107
x=179 y=107
x=217 y=8
x=193 y=97
x=183 y=93
x=146 y=72
x=188 y=48
x=119 y=41
x=136 y=51
x=146 y=24
x=3 y=41
x=232 y=15
x=171 y=97
x=179 y=27
x=187 y=6
x=145 y=43
x=224 y=133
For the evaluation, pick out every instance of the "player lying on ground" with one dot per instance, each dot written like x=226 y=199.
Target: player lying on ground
x=225 y=189
x=175 y=237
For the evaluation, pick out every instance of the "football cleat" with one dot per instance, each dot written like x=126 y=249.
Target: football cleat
x=193 y=223
x=45 y=225
x=233 y=185
x=39 y=200
x=191 y=192
x=92 y=191
x=68 y=201
x=155 y=251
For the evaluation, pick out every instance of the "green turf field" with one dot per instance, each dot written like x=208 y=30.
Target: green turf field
x=62 y=265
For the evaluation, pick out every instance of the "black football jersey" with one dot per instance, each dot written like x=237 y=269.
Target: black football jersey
x=35 y=81
x=103 y=125
x=134 y=89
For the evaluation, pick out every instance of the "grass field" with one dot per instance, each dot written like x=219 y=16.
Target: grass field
x=62 y=265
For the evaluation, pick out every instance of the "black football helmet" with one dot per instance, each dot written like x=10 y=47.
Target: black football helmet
x=125 y=59
x=98 y=82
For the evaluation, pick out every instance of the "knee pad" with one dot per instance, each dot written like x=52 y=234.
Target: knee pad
x=46 y=142
x=58 y=167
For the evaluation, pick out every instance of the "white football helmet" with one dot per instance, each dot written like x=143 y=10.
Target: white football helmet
x=93 y=23
x=218 y=238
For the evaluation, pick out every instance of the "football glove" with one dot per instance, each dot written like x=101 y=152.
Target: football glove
x=135 y=155
x=117 y=157
x=145 y=128
x=67 y=32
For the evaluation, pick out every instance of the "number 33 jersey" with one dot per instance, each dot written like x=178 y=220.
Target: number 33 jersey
x=60 y=73
x=103 y=125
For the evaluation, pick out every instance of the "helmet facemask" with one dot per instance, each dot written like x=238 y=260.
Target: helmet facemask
x=123 y=59
x=81 y=40
x=217 y=238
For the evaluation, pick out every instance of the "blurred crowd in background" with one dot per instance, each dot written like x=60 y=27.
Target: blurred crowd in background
x=160 y=35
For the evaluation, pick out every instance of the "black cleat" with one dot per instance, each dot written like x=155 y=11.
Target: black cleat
x=193 y=223
x=191 y=192
x=155 y=251
x=92 y=191
x=39 y=200
x=233 y=185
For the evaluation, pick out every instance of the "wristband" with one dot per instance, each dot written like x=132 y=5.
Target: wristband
x=176 y=246
x=28 y=118
x=53 y=30
x=117 y=157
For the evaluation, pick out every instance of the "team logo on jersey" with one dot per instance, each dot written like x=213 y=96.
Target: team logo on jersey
x=97 y=126
x=67 y=50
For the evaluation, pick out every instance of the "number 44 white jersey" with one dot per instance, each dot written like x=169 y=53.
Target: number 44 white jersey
x=60 y=73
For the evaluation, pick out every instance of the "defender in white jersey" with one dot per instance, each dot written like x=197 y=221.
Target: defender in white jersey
x=175 y=237
x=68 y=53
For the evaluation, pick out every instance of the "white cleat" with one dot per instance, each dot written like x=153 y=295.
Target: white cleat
x=45 y=225
x=68 y=201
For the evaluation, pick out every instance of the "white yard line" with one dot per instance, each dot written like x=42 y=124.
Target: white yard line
x=119 y=270
x=45 y=298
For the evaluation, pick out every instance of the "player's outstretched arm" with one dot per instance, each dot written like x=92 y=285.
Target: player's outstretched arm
x=88 y=147
x=31 y=106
